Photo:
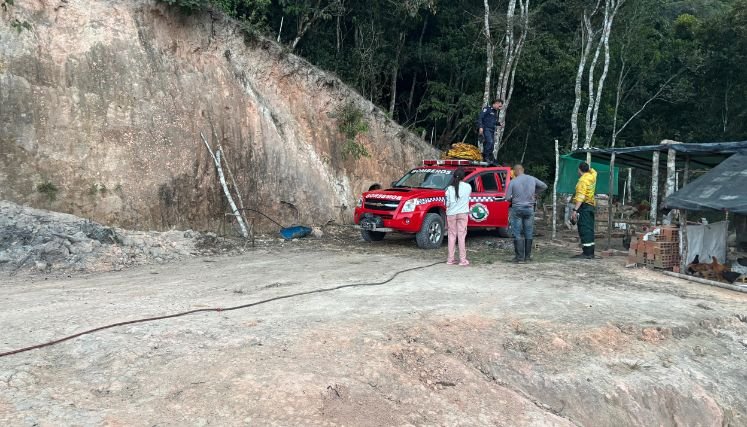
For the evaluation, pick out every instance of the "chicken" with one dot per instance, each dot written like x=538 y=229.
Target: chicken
x=713 y=271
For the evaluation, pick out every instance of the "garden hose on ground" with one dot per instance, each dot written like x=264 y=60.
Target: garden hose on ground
x=215 y=309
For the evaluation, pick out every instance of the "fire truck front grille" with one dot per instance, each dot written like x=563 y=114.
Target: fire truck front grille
x=381 y=205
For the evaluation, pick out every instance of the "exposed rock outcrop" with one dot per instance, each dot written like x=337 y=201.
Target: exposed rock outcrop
x=45 y=242
x=102 y=103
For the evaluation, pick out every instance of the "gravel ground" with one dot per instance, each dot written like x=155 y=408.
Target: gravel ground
x=555 y=342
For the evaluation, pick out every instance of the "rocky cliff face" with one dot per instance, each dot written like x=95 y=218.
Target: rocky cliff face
x=102 y=104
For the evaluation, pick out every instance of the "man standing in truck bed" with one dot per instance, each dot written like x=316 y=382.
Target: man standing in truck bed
x=521 y=193
x=487 y=122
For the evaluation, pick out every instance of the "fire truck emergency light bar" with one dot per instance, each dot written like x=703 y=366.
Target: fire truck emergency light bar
x=452 y=163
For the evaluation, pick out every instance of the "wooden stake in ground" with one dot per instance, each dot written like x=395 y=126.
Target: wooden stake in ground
x=222 y=178
x=609 y=203
x=555 y=192
x=683 y=221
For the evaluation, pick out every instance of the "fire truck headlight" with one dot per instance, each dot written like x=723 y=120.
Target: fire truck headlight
x=359 y=203
x=409 y=206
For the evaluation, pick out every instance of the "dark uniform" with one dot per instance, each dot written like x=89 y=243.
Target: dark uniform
x=488 y=121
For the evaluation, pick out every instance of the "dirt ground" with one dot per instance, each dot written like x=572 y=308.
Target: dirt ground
x=555 y=342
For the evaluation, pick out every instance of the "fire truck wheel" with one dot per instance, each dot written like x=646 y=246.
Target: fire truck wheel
x=431 y=234
x=372 y=236
x=504 y=232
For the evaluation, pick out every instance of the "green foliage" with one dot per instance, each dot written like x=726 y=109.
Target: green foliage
x=48 y=189
x=685 y=26
x=20 y=26
x=188 y=5
x=15 y=23
x=351 y=123
x=434 y=54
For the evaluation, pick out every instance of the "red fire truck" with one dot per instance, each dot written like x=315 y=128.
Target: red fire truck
x=415 y=203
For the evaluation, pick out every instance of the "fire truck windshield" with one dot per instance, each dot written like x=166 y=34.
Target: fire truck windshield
x=437 y=179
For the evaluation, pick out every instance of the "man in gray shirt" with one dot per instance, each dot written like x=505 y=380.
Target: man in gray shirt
x=521 y=193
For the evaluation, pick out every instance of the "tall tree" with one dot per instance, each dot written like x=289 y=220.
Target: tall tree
x=599 y=41
x=308 y=13
x=513 y=43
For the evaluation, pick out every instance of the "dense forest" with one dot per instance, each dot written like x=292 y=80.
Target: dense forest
x=585 y=72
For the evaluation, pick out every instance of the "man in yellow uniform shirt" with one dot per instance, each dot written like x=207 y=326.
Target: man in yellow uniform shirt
x=583 y=211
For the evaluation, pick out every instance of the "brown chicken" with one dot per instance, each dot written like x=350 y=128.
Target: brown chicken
x=712 y=271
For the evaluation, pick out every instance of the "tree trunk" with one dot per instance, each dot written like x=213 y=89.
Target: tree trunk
x=611 y=8
x=338 y=34
x=590 y=93
x=587 y=39
x=395 y=73
x=307 y=21
x=412 y=93
x=512 y=53
x=280 y=31
x=489 y=49
x=526 y=145
x=234 y=210
x=725 y=114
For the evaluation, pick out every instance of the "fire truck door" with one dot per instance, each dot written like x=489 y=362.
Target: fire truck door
x=488 y=207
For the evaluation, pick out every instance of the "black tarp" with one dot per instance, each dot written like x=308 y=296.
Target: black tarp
x=723 y=188
x=700 y=155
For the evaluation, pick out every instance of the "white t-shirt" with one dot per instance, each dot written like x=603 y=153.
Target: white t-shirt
x=454 y=205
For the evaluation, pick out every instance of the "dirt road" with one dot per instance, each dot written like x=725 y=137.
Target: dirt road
x=551 y=343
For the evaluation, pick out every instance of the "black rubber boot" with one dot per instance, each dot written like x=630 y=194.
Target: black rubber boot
x=518 y=250
x=528 y=249
x=588 y=253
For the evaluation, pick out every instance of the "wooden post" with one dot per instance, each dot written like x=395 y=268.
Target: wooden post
x=609 y=201
x=654 y=187
x=630 y=185
x=671 y=181
x=683 y=221
x=671 y=170
x=555 y=192
x=726 y=245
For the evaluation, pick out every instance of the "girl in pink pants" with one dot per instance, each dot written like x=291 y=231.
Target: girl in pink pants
x=457 y=210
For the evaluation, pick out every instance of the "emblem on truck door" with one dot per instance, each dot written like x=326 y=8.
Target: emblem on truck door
x=479 y=212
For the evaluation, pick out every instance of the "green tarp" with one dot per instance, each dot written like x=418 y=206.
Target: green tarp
x=569 y=176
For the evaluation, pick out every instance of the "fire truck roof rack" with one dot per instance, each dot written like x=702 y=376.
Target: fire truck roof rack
x=452 y=162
